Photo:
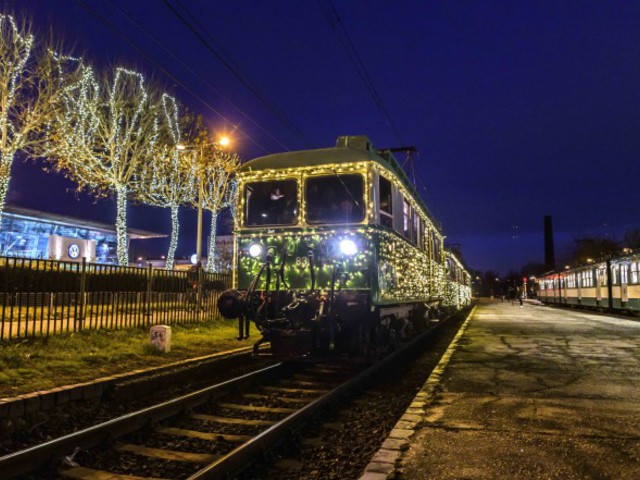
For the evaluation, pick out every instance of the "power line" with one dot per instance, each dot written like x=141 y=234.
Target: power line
x=338 y=27
x=168 y=74
x=197 y=74
x=232 y=67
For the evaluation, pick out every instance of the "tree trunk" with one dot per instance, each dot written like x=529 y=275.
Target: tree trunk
x=173 y=243
x=6 y=160
x=121 y=225
x=211 y=251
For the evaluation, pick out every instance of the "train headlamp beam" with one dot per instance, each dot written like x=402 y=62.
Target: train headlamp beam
x=348 y=247
x=255 y=250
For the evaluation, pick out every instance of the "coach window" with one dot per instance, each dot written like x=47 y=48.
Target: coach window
x=406 y=218
x=436 y=248
x=602 y=275
x=415 y=231
x=624 y=273
x=386 y=203
x=634 y=272
x=335 y=198
x=271 y=203
x=614 y=274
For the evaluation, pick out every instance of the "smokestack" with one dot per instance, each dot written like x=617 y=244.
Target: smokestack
x=549 y=253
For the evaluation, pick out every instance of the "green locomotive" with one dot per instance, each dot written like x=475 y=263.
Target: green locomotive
x=335 y=252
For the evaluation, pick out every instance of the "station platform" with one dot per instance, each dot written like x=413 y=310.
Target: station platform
x=528 y=392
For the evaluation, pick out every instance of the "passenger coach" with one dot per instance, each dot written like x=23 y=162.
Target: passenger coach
x=612 y=284
x=334 y=250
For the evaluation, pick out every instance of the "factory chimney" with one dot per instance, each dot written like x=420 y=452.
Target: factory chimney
x=549 y=254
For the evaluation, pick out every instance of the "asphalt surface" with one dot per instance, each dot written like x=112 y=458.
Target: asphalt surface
x=534 y=393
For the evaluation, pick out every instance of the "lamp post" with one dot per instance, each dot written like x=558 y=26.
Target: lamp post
x=199 y=229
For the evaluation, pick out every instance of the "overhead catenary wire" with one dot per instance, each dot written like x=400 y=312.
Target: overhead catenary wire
x=236 y=72
x=197 y=74
x=164 y=71
x=338 y=27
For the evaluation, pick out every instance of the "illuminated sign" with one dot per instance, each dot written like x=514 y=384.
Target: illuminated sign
x=73 y=251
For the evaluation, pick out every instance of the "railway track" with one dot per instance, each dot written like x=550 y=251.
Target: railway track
x=212 y=433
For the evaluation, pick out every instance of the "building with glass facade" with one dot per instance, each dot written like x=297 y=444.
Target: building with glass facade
x=25 y=233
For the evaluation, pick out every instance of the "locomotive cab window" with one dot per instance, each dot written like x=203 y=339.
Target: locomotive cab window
x=386 y=203
x=335 y=199
x=271 y=203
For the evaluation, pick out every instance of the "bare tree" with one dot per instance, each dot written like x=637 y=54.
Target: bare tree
x=170 y=180
x=219 y=190
x=104 y=135
x=31 y=80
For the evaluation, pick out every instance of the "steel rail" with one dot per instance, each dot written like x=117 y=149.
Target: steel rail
x=29 y=459
x=243 y=456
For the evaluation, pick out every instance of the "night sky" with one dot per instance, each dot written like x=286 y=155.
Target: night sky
x=518 y=109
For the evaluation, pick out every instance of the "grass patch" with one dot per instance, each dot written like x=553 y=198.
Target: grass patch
x=47 y=362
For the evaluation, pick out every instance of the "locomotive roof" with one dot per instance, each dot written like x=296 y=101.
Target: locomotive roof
x=348 y=149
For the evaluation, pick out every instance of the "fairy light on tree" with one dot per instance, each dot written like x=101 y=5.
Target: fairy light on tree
x=170 y=179
x=105 y=134
x=31 y=81
x=219 y=189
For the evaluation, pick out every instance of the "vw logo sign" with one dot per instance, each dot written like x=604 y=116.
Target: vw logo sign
x=74 y=251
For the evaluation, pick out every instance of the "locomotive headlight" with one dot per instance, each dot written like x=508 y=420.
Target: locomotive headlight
x=255 y=250
x=348 y=247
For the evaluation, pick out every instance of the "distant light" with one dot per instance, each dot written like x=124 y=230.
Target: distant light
x=497 y=279
x=194 y=258
x=162 y=257
x=139 y=259
x=180 y=147
x=255 y=250
x=567 y=267
x=225 y=141
x=348 y=247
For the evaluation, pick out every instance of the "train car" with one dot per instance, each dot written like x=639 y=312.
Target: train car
x=611 y=284
x=334 y=251
x=458 y=283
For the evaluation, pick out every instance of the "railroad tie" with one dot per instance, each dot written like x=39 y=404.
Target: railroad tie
x=209 y=436
x=173 y=455
x=255 y=408
x=259 y=396
x=232 y=421
x=313 y=379
x=309 y=391
x=82 y=473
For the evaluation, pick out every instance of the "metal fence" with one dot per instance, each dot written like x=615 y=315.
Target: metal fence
x=44 y=297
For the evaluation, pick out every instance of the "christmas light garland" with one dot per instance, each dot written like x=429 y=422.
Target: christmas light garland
x=404 y=272
x=105 y=137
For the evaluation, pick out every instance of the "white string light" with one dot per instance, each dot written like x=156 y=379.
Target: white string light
x=104 y=137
